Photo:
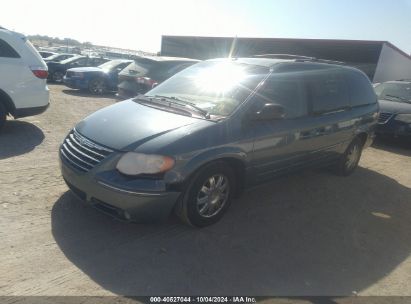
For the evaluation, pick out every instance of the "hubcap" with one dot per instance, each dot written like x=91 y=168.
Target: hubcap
x=352 y=157
x=213 y=195
x=97 y=87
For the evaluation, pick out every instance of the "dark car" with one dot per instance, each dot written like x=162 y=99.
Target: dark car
x=57 y=70
x=59 y=57
x=46 y=54
x=146 y=72
x=97 y=80
x=214 y=129
x=394 y=98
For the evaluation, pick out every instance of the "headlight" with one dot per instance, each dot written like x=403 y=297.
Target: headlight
x=403 y=118
x=133 y=163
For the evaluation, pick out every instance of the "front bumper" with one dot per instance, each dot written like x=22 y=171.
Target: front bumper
x=394 y=128
x=116 y=198
x=24 y=112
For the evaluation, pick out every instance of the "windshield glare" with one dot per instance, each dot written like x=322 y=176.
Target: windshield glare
x=394 y=91
x=216 y=87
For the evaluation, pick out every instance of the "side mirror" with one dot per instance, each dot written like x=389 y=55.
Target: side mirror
x=270 y=111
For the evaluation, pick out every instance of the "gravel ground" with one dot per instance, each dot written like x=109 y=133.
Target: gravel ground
x=311 y=233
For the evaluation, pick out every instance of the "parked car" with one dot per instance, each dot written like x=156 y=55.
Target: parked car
x=97 y=80
x=57 y=70
x=46 y=54
x=146 y=72
x=59 y=57
x=395 y=105
x=202 y=136
x=23 y=73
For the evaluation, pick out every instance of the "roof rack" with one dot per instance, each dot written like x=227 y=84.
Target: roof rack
x=405 y=79
x=282 y=56
x=298 y=58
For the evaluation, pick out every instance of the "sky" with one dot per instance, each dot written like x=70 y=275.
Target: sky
x=139 y=24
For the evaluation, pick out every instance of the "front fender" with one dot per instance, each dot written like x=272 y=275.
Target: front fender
x=183 y=171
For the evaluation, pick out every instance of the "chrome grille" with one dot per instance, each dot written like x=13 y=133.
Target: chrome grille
x=384 y=117
x=81 y=153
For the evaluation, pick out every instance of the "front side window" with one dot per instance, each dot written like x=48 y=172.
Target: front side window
x=6 y=50
x=287 y=91
x=217 y=87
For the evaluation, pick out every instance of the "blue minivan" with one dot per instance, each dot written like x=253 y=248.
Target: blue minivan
x=200 y=138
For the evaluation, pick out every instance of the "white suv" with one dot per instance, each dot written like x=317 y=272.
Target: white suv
x=23 y=76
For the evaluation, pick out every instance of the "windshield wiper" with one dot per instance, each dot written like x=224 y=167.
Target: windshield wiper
x=185 y=103
x=158 y=102
x=397 y=97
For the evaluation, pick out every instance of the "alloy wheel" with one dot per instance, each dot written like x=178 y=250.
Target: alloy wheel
x=213 y=195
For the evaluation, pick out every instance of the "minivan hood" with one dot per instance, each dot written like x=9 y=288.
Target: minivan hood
x=388 y=106
x=128 y=124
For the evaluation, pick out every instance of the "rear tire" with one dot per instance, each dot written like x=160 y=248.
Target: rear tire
x=3 y=115
x=57 y=76
x=208 y=195
x=350 y=159
x=97 y=86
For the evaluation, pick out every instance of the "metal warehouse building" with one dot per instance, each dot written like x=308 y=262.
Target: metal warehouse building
x=380 y=60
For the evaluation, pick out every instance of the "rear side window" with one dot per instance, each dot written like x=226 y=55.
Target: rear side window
x=360 y=89
x=164 y=70
x=327 y=90
x=288 y=91
x=139 y=67
x=7 y=51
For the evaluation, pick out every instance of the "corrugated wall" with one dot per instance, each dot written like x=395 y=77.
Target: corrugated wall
x=392 y=65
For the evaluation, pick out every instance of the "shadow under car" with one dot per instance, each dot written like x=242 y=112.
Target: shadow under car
x=300 y=235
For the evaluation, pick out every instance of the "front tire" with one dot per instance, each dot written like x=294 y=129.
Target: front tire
x=208 y=196
x=350 y=159
x=3 y=115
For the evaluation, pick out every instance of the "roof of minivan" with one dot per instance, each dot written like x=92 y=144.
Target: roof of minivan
x=266 y=62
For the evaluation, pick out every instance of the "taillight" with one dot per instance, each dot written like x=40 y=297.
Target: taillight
x=40 y=72
x=146 y=81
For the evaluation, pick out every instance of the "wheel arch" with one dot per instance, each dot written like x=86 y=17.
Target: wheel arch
x=363 y=136
x=6 y=100
x=236 y=160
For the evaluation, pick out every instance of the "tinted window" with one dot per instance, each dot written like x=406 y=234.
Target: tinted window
x=7 y=51
x=327 y=91
x=288 y=91
x=139 y=67
x=360 y=89
x=164 y=70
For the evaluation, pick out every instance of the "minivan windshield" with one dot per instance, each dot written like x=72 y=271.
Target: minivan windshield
x=218 y=87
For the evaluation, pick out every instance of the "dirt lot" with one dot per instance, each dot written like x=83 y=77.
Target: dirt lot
x=307 y=234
